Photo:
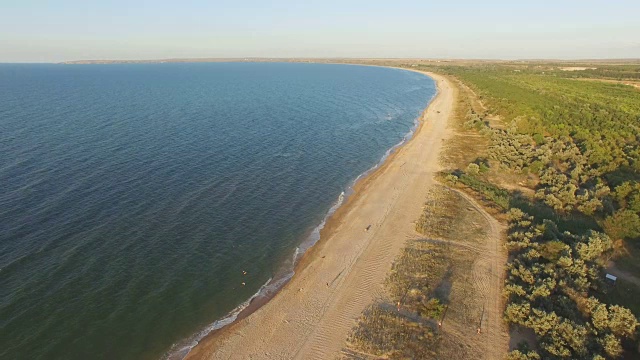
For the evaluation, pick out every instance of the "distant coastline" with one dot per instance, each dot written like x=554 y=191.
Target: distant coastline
x=342 y=60
x=210 y=60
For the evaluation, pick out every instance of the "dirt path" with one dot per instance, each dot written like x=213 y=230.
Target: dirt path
x=312 y=316
x=488 y=274
x=613 y=270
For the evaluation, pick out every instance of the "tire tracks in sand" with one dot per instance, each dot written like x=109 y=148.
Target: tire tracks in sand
x=489 y=275
x=310 y=320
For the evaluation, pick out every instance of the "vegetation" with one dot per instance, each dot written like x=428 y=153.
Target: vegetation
x=550 y=288
x=489 y=191
x=429 y=290
x=442 y=215
x=576 y=145
x=403 y=326
x=383 y=332
x=560 y=160
x=580 y=140
x=601 y=118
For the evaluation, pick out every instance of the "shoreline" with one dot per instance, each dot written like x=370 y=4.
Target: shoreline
x=272 y=287
x=359 y=189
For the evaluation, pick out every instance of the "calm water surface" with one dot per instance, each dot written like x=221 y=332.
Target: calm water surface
x=133 y=197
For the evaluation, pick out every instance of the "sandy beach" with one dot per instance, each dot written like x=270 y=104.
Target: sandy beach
x=344 y=272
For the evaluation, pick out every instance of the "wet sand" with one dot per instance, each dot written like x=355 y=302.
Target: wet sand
x=312 y=315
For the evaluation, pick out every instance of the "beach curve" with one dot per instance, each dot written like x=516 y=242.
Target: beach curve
x=337 y=278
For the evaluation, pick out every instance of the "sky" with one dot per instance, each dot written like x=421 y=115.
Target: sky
x=64 y=30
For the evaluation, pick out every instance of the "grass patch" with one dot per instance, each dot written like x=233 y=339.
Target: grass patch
x=627 y=260
x=403 y=326
x=623 y=293
x=493 y=193
x=443 y=213
x=385 y=332
x=431 y=282
x=415 y=276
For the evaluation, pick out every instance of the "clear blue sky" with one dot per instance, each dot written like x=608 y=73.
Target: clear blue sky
x=50 y=31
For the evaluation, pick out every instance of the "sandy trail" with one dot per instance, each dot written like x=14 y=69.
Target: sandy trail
x=489 y=276
x=312 y=315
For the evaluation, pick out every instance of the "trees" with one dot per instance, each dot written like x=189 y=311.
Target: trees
x=519 y=355
x=581 y=142
x=549 y=289
x=623 y=224
x=622 y=322
x=573 y=135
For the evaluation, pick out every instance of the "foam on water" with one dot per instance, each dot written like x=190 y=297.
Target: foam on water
x=180 y=350
x=137 y=194
x=274 y=284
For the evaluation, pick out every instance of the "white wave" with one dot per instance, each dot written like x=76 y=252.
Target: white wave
x=180 y=350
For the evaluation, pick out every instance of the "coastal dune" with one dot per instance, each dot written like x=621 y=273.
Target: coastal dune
x=343 y=273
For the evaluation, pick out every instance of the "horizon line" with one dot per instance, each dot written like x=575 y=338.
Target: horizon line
x=344 y=58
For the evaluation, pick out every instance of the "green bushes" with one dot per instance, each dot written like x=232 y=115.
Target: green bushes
x=601 y=118
x=579 y=142
x=491 y=192
x=519 y=355
x=624 y=224
x=581 y=139
x=550 y=288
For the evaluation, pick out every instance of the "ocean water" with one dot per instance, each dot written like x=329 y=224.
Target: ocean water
x=133 y=197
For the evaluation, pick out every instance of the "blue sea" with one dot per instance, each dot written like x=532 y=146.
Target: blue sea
x=137 y=199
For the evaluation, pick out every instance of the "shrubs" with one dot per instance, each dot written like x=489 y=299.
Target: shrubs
x=431 y=308
x=499 y=196
x=549 y=288
x=581 y=142
x=385 y=332
x=627 y=195
x=581 y=139
x=601 y=118
x=567 y=183
x=473 y=169
x=406 y=331
x=518 y=355
x=624 y=224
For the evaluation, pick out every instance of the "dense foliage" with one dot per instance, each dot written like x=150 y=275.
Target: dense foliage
x=582 y=139
x=550 y=286
x=602 y=119
x=579 y=143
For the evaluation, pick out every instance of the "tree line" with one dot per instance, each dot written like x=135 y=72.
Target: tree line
x=579 y=143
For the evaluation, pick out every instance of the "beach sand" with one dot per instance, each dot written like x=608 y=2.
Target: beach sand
x=344 y=272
